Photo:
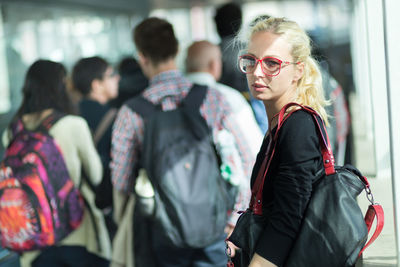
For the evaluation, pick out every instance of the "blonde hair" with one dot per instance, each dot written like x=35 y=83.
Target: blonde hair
x=309 y=86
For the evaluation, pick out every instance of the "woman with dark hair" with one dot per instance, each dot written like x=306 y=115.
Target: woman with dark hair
x=45 y=88
x=44 y=93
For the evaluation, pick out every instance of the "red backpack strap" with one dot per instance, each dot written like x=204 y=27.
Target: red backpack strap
x=374 y=211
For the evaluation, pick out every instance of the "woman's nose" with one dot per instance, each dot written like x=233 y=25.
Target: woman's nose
x=258 y=70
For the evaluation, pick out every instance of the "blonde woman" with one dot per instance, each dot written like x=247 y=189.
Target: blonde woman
x=280 y=70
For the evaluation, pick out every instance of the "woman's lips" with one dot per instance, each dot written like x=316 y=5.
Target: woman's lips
x=259 y=87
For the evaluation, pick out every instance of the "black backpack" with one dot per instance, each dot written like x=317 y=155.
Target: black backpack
x=178 y=154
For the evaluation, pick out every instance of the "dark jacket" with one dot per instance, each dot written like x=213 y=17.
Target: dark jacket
x=93 y=112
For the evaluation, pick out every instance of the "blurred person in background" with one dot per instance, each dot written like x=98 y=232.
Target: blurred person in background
x=157 y=45
x=228 y=21
x=97 y=82
x=204 y=66
x=132 y=81
x=339 y=130
x=45 y=93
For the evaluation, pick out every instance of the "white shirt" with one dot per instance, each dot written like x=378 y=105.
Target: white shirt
x=242 y=111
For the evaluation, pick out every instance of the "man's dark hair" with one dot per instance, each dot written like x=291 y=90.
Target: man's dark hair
x=155 y=39
x=132 y=81
x=85 y=71
x=128 y=65
x=45 y=88
x=228 y=19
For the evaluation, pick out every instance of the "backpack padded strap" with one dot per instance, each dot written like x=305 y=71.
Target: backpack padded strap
x=50 y=120
x=44 y=126
x=15 y=127
x=142 y=106
x=145 y=108
x=196 y=96
x=104 y=124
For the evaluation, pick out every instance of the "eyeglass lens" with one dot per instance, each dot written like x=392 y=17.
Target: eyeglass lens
x=270 y=66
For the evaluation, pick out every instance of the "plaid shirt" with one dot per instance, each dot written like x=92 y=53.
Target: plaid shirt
x=170 y=88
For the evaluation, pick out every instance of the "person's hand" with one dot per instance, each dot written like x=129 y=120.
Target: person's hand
x=229 y=229
x=231 y=247
x=258 y=261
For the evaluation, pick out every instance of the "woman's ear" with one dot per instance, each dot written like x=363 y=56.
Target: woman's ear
x=298 y=72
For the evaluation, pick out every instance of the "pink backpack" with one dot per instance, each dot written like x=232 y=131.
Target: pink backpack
x=39 y=204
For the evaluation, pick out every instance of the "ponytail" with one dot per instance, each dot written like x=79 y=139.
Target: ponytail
x=310 y=90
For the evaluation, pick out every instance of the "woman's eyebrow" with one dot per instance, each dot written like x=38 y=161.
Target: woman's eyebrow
x=249 y=53
x=273 y=56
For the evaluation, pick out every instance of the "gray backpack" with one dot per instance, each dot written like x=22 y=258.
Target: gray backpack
x=191 y=198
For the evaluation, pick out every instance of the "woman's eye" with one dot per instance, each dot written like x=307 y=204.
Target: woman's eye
x=270 y=63
x=249 y=61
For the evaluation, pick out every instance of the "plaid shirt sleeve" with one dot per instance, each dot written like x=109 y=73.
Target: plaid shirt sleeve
x=125 y=144
x=244 y=194
x=217 y=113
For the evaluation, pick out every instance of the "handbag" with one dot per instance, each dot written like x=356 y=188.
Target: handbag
x=252 y=221
x=333 y=231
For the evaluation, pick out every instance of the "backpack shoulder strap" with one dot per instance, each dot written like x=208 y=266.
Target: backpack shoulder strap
x=142 y=106
x=196 y=96
x=50 y=120
x=104 y=124
x=15 y=127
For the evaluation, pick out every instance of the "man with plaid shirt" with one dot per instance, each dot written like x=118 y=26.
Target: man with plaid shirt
x=157 y=48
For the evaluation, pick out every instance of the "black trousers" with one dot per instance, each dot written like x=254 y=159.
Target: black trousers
x=68 y=256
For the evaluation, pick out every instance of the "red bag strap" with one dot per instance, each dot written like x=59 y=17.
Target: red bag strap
x=374 y=211
x=256 y=192
x=329 y=162
x=325 y=144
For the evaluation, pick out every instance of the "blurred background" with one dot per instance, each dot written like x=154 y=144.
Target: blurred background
x=354 y=41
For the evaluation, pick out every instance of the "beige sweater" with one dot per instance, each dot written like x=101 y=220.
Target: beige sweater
x=73 y=136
